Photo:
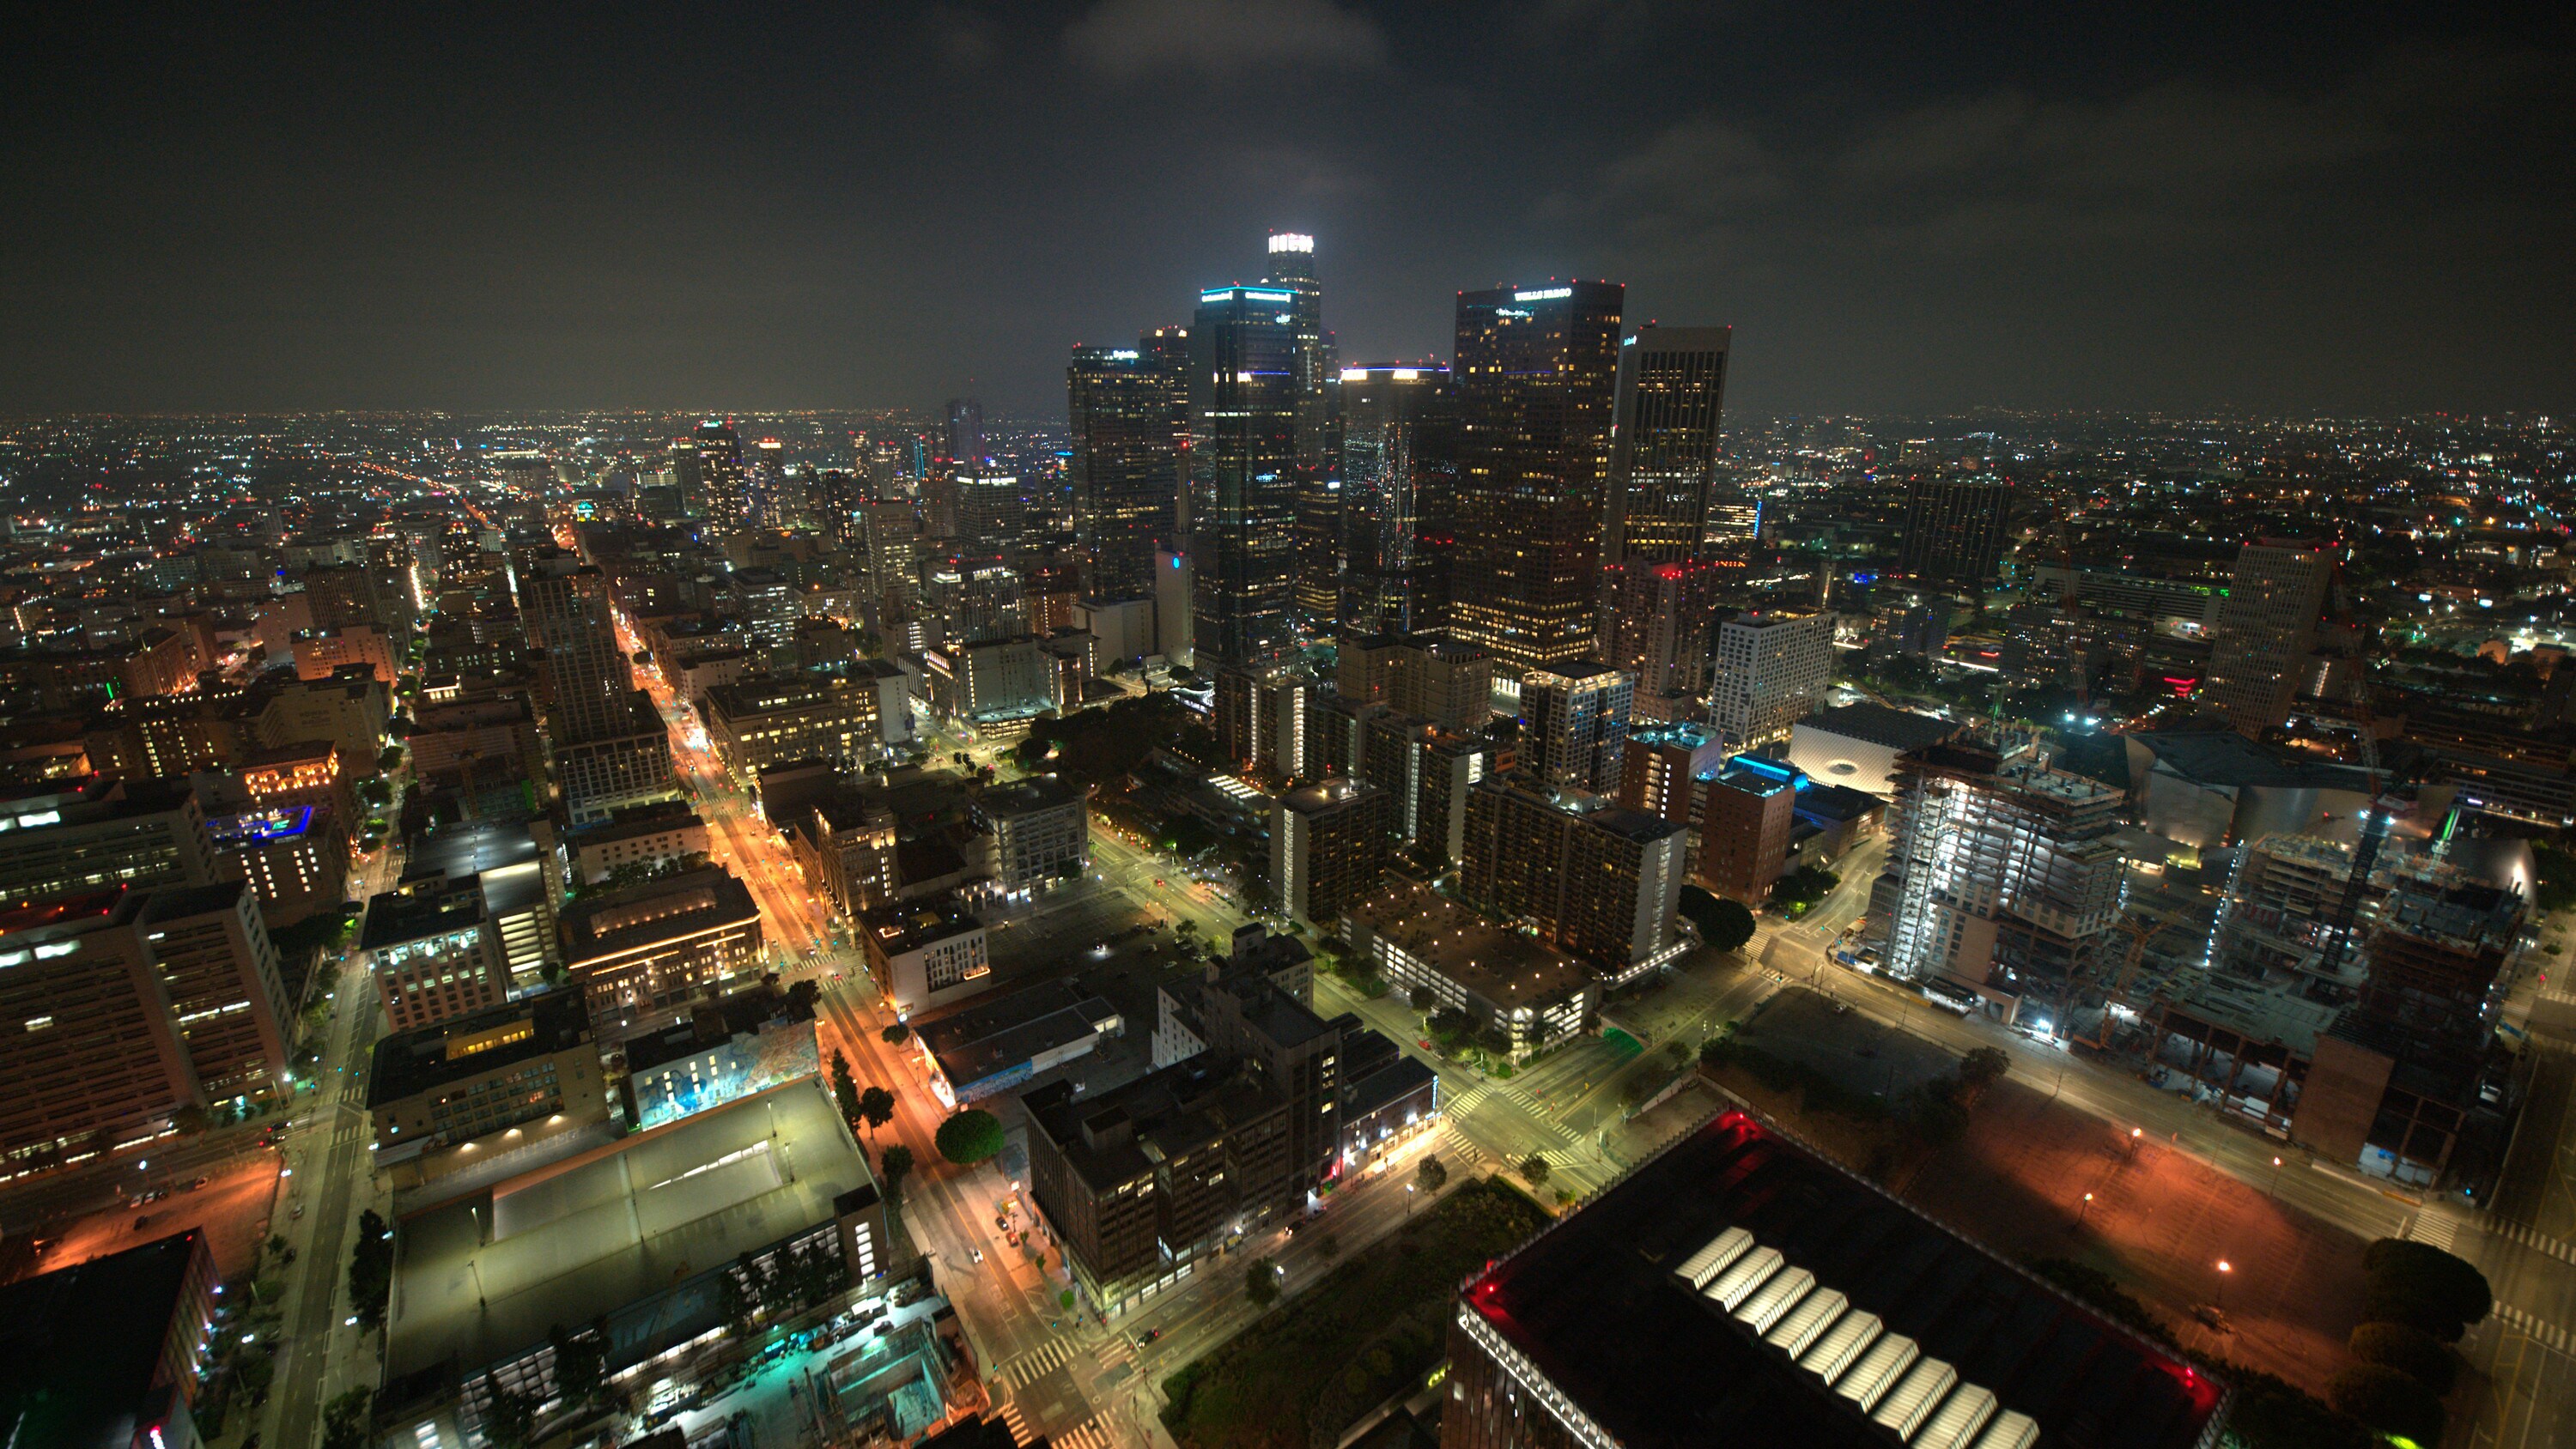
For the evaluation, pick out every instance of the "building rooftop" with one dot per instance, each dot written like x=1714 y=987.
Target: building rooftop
x=657 y=910
x=264 y=827
x=2222 y=757
x=411 y=1062
x=1736 y=1286
x=1503 y=966
x=1024 y=797
x=713 y=1023
x=425 y=909
x=1876 y=724
x=909 y=925
x=632 y=822
x=473 y=848
x=1120 y=1135
x=82 y=1345
x=997 y=1035
x=486 y=1275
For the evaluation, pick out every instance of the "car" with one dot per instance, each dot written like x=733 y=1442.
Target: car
x=1149 y=1335
x=139 y=1222
x=976 y=1253
x=200 y=1182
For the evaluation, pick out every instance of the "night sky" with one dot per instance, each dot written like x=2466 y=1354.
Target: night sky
x=1913 y=206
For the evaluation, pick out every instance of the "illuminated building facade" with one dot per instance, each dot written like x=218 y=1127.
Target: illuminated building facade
x=1536 y=377
x=1126 y=457
x=1671 y=389
x=643 y=953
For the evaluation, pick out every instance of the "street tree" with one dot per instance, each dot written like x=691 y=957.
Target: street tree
x=1534 y=1168
x=1423 y=1000
x=969 y=1137
x=1984 y=1066
x=845 y=1088
x=371 y=1270
x=1261 y=1282
x=896 y=1034
x=1431 y=1176
x=579 y=1360
x=876 y=1105
x=897 y=1161
x=344 y=1419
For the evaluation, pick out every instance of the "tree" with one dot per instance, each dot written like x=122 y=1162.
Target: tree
x=344 y=1420
x=579 y=1361
x=1724 y=924
x=2388 y=1401
x=391 y=759
x=845 y=1088
x=371 y=1269
x=511 y=1420
x=1534 y=1168
x=898 y=1166
x=1984 y=1066
x=1803 y=887
x=1261 y=1282
x=1423 y=1000
x=969 y=1137
x=896 y=1034
x=2409 y=1350
x=1431 y=1176
x=876 y=1105
x=189 y=1121
x=2416 y=1283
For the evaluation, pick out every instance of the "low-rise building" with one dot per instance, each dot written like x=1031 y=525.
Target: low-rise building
x=295 y=856
x=1001 y=1044
x=761 y=722
x=645 y=836
x=643 y=953
x=927 y=954
x=1526 y=996
x=448 y=1096
x=748 y=1042
x=1857 y=745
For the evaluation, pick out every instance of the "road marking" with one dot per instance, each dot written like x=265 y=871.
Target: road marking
x=1089 y=1434
x=1019 y=1428
x=2433 y=1229
x=2548 y=1335
x=2533 y=1238
x=1037 y=1363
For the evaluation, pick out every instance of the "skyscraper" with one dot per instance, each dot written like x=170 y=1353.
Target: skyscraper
x=1399 y=473
x=962 y=442
x=1574 y=725
x=2266 y=629
x=1954 y=528
x=1536 y=373
x=1245 y=411
x=610 y=749
x=1126 y=456
x=993 y=516
x=1672 y=385
x=720 y=494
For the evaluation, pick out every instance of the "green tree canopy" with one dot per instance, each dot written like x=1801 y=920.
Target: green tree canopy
x=2409 y=1350
x=897 y=1160
x=876 y=1107
x=1724 y=924
x=2419 y=1284
x=2389 y=1401
x=969 y=1137
x=1261 y=1282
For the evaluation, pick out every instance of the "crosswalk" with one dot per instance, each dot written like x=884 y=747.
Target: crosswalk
x=1018 y=1426
x=2546 y=1334
x=2558 y=994
x=1037 y=1363
x=1089 y=1434
x=2558 y=1248
x=2433 y=1230
x=1460 y=1107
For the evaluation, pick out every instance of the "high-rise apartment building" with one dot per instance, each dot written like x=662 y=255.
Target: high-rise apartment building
x=1664 y=763
x=1747 y=809
x=1656 y=623
x=2002 y=875
x=1125 y=466
x=1420 y=677
x=1598 y=882
x=1399 y=468
x=1269 y=720
x=1536 y=375
x=1328 y=847
x=993 y=515
x=721 y=493
x=1955 y=528
x=2267 y=627
x=1671 y=388
x=1772 y=670
x=434 y=952
x=1574 y=725
x=967 y=598
x=564 y=606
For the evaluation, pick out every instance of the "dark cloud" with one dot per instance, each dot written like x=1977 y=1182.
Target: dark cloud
x=1222 y=39
x=2329 y=208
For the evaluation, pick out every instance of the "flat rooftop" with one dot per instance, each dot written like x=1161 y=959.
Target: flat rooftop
x=909 y=925
x=997 y=1035
x=1602 y=1306
x=1877 y=724
x=657 y=910
x=477 y=848
x=484 y=1276
x=411 y=1062
x=393 y=919
x=629 y=824
x=1020 y=797
x=1502 y=966
x=80 y=1346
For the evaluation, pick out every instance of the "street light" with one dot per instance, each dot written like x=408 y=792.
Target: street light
x=2224 y=1268
x=2274 y=1191
x=2134 y=1134
x=2081 y=1212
